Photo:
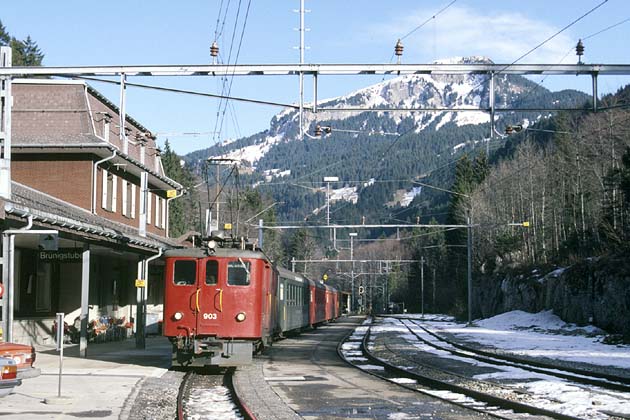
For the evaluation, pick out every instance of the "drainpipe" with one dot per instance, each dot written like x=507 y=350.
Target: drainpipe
x=168 y=212
x=94 y=173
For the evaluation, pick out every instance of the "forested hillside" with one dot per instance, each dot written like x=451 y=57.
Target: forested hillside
x=568 y=179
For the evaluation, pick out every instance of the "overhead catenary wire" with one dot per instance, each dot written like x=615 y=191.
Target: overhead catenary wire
x=428 y=20
x=538 y=85
x=187 y=92
x=543 y=42
x=220 y=119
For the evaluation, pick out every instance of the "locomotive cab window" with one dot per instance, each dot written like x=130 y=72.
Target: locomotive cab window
x=212 y=272
x=239 y=273
x=185 y=272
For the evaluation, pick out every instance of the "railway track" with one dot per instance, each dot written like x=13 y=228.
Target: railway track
x=582 y=376
x=208 y=395
x=397 y=361
x=354 y=350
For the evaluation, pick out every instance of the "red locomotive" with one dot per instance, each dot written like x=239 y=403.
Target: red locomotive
x=222 y=304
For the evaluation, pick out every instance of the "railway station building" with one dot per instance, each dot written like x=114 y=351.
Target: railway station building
x=85 y=218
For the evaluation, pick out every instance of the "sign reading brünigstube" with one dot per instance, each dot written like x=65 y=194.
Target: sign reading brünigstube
x=63 y=255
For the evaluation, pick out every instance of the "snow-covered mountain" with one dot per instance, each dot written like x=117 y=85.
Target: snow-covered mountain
x=405 y=92
x=428 y=135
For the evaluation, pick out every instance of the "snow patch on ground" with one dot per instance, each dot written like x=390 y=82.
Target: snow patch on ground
x=542 y=334
x=346 y=194
x=409 y=196
x=252 y=153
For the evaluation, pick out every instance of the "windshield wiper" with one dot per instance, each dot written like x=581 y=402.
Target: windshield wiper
x=243 y=264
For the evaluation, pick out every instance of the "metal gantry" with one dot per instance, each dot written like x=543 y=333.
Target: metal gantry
x=311 y=69
x=491 y=71
x=5 y=125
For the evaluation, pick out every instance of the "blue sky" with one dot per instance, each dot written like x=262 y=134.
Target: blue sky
x=167 y=32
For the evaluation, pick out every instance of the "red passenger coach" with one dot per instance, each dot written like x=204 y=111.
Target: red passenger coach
x=317 y=312
x=331 y=294
x=219 y=305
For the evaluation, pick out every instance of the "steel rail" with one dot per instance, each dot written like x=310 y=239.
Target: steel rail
x=183 y=388
x=503 y=403
x=588 y=377
x=406 y=374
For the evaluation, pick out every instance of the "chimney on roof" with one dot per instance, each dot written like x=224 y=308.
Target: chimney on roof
x=107 y=118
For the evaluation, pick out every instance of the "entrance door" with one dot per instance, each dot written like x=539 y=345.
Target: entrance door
x=209 y=298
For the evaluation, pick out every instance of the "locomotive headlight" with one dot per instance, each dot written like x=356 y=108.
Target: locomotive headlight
x=177 y=316
x=240 y=317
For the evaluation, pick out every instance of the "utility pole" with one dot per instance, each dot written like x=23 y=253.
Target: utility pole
x=6 y=103
x=492 y=111
x=352 y=235
x=469 y=254
x=302 y=29
x=218 y=162
x=422 y=286
x=433 y=292
x=328 y=180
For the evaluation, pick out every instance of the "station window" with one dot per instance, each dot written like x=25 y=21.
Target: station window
x=109 y=191
x=149 y=201
x=185 y=272
x=125 y=197
x=132 y=210
x=158 y=207
x=212 y=272
x=238 y=273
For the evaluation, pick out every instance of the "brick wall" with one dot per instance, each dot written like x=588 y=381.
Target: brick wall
x=67 y=177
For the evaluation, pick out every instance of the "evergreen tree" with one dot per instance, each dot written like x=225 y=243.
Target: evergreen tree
x=24 y=53
x=465 y=181
x=32 y=55
x=5 y=38
x=182 y=211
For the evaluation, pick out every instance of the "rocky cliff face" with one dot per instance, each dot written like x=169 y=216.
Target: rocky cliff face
x=595 y=291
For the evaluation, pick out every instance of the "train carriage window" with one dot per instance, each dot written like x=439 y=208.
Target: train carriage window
x=185 y=272
x=291 y=294
x=212 y=272
x=238 y=273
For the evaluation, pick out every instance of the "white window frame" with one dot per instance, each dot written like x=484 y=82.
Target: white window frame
x=163 y=213
x=104 y=195
x=133 y=201
x=114 y=193
x=157 y=211
x=125 y=198
x=149 y=207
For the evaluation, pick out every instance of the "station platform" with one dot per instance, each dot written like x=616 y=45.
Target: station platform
x=103 y=385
